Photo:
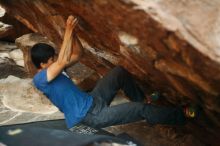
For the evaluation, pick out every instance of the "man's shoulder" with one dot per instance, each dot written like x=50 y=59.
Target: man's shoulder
x=40 y=77
x=40 y=74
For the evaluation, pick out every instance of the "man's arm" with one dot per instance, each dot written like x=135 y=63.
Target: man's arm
x=66 y=51
x=77 y=50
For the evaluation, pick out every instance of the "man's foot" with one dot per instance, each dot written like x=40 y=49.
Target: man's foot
x=153 y=97
x=190 y=111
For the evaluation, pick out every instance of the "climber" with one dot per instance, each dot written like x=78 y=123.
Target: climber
x=93 y=108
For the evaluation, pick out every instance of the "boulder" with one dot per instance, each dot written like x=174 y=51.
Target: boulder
x=9 y=67
x=11 y=61
x=5 y=29
x=169 y=46
x=11 y=28
x=25 y=94
x=37 y=106
x=24 y=43
x=7 y=46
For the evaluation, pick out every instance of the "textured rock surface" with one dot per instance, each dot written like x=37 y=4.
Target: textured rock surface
x=10 y=28
x=37 y=106
x=196 y=21
x=24 y=43
x=11 y=61
x=5 y=29
x=25 y=94
x=7 y=46
x=17 y=56
x=171 y=46
x=9 y=67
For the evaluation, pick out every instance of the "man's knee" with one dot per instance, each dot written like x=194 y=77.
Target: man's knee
x=121 y=70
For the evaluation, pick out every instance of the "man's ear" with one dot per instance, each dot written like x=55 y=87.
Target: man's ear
x=42 y=65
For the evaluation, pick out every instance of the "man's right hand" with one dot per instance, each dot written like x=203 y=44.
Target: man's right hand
x=65 y=54
x=71 y=23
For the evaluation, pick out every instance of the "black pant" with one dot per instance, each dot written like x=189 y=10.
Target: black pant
x=102 y=115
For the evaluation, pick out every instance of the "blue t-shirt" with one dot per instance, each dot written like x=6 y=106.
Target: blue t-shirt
x=65 y=95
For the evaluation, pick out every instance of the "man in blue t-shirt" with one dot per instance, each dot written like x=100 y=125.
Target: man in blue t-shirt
x=93 y=108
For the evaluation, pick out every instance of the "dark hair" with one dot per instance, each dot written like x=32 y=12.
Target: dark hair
x=41 y=53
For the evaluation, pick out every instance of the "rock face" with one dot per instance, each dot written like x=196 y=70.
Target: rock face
x=25 y=43
x=12 y=103
x=10 y=28
x=25 y=94
x=11 y=61
x=14 y=28
x=170 y=46
x=5 y=29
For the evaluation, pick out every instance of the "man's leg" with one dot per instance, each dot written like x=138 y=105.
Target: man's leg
x=155 y=114
x=115 y=115
x=135 y=111
x=118 y=78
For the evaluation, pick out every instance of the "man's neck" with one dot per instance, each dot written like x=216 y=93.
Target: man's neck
x=39 y=69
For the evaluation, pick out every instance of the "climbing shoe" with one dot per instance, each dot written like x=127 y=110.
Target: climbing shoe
x=190 y=111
